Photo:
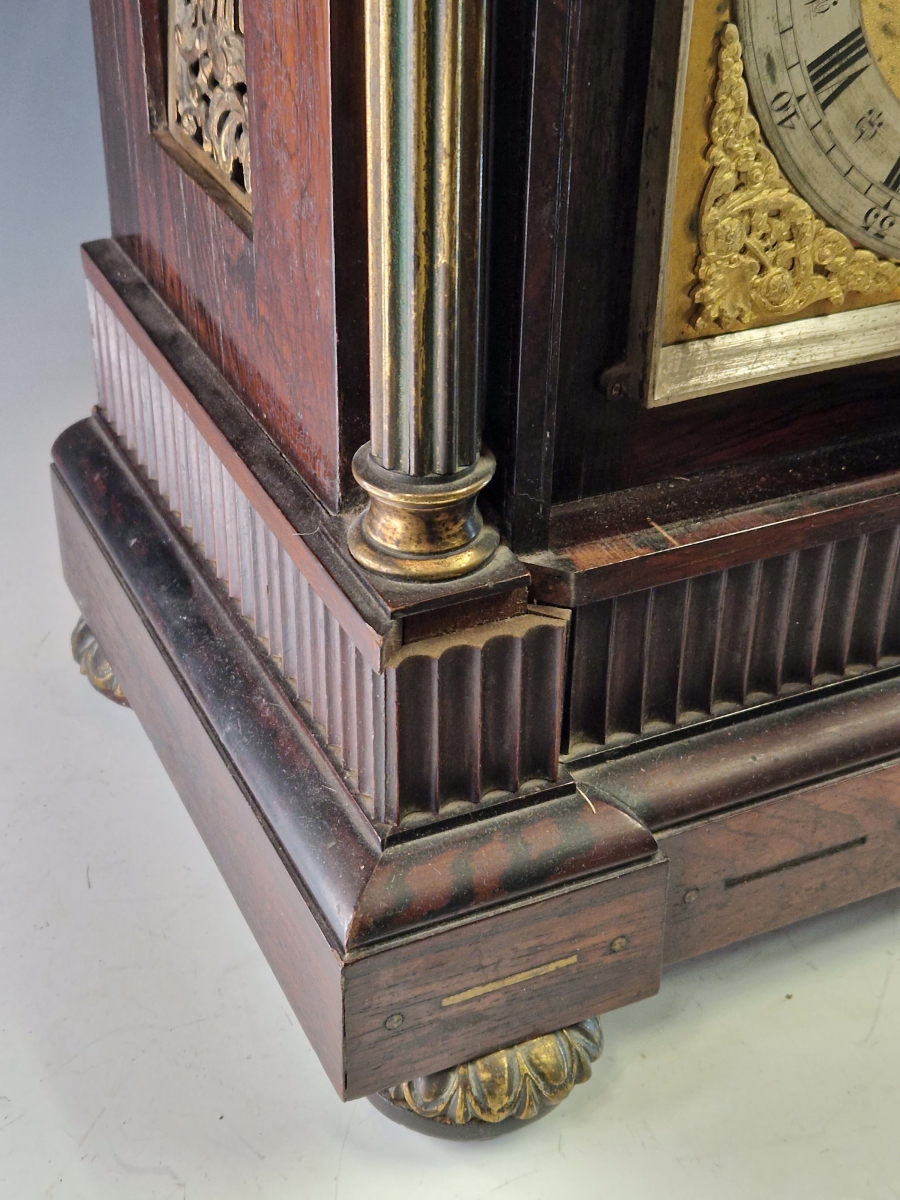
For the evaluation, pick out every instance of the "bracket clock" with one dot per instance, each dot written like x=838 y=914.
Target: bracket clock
x=492 y=506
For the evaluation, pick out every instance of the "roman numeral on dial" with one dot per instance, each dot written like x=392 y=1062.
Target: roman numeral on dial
x=832 y=72
x=893 y=177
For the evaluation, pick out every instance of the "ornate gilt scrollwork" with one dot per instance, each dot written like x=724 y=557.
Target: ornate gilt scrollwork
x=763 y=251
x=519 y=1082
x=207 y=89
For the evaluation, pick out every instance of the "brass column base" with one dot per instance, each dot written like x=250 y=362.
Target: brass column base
x=499 y=1093
x=94 y=663
x=421 y=529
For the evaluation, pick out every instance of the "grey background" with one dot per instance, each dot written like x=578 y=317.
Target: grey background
x=146 y=1052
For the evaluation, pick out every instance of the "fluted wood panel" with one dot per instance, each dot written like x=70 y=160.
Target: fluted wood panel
x=478 y=714
x=451 y=722
x=323 y=670
x=687 y=651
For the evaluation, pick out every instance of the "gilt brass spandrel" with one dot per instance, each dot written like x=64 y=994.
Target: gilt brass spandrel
x=764 y=254
x=207 y=91
x=859 y=285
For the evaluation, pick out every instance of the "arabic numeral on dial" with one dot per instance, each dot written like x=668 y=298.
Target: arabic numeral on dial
x=869 y=124
x=879 y=223
x=784 y=110
x=820 y=7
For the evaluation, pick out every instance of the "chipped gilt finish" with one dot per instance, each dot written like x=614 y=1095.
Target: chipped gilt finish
x=94 y=664
x=520 y=1082
x=764 y=253
x=208 y=89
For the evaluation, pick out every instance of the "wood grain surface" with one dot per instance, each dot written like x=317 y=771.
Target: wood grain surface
x=653 y=554
x=264 y=308
x=366 y=888
x=756 y=757
x=741 y=874
x=283 y=918
x=319 y=889
x=413 y=979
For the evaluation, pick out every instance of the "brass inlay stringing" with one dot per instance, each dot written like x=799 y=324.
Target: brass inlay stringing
x=208 y=90
x=763 y=251
x=484 y=988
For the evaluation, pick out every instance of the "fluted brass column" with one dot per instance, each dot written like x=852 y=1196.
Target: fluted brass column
x=426 y=63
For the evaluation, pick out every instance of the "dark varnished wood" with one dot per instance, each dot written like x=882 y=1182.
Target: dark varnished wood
x=365 y=890
x=529 y=186
x=284 y=919
x=392 y=924
x=193 y=624
x=698 y=648
x=472 y=864
x=755 y=758
x=582 y=921
x=650 y=555
x=741 y=874
x=573 y=309
x=394 y=917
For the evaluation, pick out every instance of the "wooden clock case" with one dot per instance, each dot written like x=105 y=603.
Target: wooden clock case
x=464 y=816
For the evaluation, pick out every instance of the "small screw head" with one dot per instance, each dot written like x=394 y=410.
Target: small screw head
x=691 y=895
x=394 y=1021
x=618 y=944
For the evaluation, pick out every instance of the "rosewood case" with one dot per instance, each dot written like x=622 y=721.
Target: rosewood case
x=598 y=686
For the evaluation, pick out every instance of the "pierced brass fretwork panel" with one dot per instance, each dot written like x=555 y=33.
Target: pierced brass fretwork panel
x=208 y=90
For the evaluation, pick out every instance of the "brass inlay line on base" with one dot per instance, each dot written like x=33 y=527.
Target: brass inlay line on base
x=763 y=251
x=484 y=988
x=789 y=865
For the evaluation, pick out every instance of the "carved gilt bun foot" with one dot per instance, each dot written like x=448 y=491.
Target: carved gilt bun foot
x=500 y=1092
x=94 y=663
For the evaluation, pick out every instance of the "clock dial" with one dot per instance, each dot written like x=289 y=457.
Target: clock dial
x=827 y=111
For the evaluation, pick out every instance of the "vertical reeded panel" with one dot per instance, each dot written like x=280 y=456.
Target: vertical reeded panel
x=321 y=667
x=704 y=647
x=626 y=668
x=773 y=608
x=699 y=652
x=666 y=635
x=478 y=713
x=736 y=639
x=805 y=624
x=839 y=609
x=452 y=720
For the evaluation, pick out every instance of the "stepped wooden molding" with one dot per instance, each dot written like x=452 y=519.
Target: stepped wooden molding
x=449 y=722
x=360 y=929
